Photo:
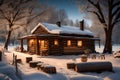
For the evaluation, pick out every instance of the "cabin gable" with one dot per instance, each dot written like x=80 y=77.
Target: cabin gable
x=40 y=30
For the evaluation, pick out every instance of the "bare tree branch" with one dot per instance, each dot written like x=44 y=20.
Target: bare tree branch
x=92 y=3
x=116 y=11
x=1 y=2
x=96 y=15
x=30 y=20
x=97 y=6
x=14 y=17
x=3 y=15
x=116 y=4
x=117 y=19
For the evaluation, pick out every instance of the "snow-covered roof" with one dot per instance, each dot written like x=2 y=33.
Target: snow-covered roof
x=54 y=29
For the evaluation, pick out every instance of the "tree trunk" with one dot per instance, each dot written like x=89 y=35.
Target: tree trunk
x=108 y=33
x=108 y=44
x=7 y=40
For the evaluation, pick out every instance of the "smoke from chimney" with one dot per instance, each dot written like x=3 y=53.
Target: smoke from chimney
x=58 y=24
x=82 y=25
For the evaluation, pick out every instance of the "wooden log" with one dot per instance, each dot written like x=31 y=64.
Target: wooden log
x=39 y=65
x=83 y=58
x=50 y=69
x=70 y=65
x=33 y=64
x=93 y=67
x=19 y=60
x=28 y=59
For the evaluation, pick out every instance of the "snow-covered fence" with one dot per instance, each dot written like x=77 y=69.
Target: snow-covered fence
x=93 y=67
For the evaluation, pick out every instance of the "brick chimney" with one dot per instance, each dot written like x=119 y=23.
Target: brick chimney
x=82 y=25
x=58 y=24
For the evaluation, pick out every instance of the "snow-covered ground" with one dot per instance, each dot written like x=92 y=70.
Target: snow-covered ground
x=59 y=62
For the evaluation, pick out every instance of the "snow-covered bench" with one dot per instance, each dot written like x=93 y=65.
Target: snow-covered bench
x=93 y=67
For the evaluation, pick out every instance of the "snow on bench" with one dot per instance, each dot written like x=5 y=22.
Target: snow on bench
x=93 y=67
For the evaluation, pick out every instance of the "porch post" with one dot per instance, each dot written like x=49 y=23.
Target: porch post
x=27 y=45
x=99 y=43
x=37 y=47
x=21 y=43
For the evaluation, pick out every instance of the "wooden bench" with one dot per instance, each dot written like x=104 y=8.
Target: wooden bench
x=70 y=65
x=28 y=59
x=93 y=67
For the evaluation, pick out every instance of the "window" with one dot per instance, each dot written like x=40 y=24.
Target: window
x=55 y=42
x=79 y=43
x=68 y=42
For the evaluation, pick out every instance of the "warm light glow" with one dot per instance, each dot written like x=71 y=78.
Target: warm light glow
x=31 y=41
x=42 y=43
x=55 y=42
x=39 y=41
x=68 y=43
x=79 y=43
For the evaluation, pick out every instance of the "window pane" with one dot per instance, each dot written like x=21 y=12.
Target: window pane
x=79 y=43
x=55 y=42
x=68 y=43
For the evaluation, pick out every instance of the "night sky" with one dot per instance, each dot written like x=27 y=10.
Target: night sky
x=68 y=5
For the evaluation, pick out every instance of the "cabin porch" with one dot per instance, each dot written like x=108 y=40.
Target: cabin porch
x=57 y=45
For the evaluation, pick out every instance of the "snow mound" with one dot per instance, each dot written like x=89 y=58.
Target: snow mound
x=86 y=77
x=115 y=76
x=8 y=70
x=116 y=54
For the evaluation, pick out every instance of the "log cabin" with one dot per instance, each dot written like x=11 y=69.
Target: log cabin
x=56 y=39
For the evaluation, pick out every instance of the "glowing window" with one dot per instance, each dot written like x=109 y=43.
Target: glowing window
x=55 y=42
x=68 y=43
x=79 y=43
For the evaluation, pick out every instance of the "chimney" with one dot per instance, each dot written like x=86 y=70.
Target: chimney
x=82 y=25
x=58 y=24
